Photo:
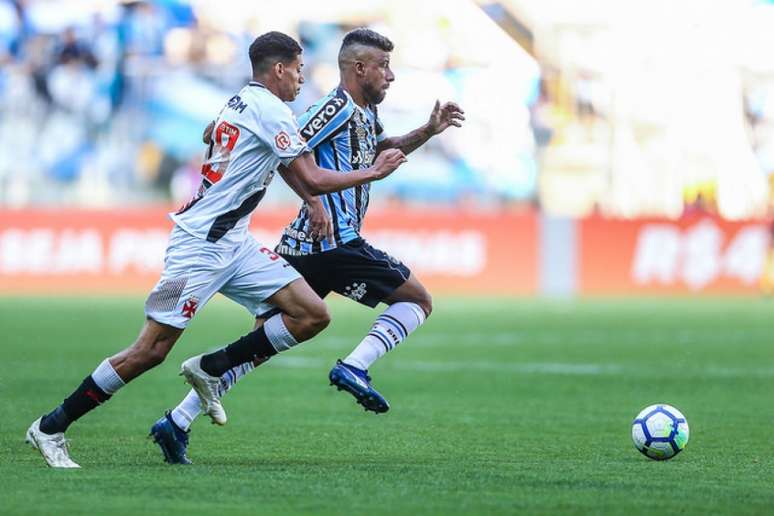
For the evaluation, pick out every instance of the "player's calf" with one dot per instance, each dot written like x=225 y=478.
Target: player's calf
x=111 y=374
x=149 y=350
x=303 y=315
x=315 y=320
x=306 y=314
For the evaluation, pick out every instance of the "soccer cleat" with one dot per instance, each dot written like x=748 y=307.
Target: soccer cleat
x=171 y=439
x=52 y=447
x=357 y=382
x=207 y=387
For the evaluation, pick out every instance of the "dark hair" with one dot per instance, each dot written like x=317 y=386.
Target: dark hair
x=270 y=48
x=367 y=37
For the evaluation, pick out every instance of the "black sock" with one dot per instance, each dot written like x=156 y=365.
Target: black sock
x=84 y=399
x=253 y=345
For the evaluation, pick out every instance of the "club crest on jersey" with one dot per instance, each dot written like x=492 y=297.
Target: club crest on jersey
x=356 y=291
x=282 y=140
x=190 y=306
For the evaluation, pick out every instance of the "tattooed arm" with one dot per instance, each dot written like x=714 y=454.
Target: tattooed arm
x=440 y=119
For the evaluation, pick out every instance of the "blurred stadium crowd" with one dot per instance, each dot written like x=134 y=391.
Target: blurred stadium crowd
x=579 y=111
x=105 y=104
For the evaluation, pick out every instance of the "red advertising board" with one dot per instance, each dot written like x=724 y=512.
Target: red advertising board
x=115 y=251
x=700 y=254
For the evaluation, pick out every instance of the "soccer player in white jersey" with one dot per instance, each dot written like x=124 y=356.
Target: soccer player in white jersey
x=210 y=249
x=345 y=133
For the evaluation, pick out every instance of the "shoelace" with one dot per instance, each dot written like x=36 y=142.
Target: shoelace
x=355 y=371
x=365 y=375
x=213 y=388
x=62 y=447
x=181 y=435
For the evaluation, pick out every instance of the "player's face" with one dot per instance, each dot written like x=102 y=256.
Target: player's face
x=292 y=79
x=377 y=75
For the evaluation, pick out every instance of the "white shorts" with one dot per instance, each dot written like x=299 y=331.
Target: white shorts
x=194 y=270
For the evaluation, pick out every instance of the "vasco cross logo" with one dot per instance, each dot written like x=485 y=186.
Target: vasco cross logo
x=282 y=140
x=190 y=306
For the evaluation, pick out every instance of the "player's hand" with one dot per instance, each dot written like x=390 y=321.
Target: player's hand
x=444 y=116
x=207 y=134
x=387 y=162
x=320 y=224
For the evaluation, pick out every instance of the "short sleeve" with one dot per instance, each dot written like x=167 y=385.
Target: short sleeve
x=325 y=119
x=277 y=127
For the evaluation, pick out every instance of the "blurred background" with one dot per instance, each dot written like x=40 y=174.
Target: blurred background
x=610 y=146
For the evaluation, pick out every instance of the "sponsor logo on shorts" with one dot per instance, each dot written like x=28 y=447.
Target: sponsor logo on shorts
x=356 y=291
x=190 y=306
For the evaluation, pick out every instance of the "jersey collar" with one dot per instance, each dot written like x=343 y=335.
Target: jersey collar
x=368 y=107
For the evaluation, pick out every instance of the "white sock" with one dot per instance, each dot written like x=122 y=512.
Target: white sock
x=278 y=334
x=106 y=378
x=390 y=329
x=191 y=407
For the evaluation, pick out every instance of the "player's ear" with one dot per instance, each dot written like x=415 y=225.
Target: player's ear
x=360 y=67
x=279 y=68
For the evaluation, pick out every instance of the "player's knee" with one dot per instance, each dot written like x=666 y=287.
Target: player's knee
x=425 y=302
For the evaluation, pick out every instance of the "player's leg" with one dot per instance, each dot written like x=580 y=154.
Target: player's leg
x=190 y=408
x=370 y=276
x=47 y=433
x=263 y=277
x=409 y=307
x=188 y=281
x=303 y=315
x=171 y=431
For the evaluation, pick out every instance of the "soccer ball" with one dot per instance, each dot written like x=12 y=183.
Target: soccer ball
x=660 y=432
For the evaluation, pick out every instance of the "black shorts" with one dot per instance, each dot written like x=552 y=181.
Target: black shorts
x=356 y=270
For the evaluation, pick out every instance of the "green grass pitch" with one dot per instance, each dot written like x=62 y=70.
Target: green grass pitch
x=498 y=406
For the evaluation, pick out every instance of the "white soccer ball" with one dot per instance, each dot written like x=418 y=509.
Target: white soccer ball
x=660 y=432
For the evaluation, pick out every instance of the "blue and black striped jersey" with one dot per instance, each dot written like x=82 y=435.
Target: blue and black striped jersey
x=343 y=137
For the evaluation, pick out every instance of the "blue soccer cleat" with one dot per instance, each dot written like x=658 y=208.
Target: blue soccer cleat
x=171 y=439
x=357 y=382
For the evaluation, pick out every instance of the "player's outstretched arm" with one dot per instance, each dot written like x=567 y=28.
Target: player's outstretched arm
x=320 y=224
x=441 y=119
x=316 y=180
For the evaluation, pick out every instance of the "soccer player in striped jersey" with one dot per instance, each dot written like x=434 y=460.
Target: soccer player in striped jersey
x=210 y=250
x=345 y=134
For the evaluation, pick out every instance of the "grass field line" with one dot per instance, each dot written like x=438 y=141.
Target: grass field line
x=581 y=336
x=550 y=368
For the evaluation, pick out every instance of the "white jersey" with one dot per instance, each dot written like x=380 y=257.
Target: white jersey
x=254 y=133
